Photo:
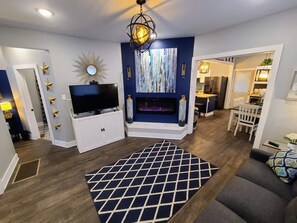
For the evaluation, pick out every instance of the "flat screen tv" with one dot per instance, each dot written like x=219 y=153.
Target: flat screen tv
x=94 y=97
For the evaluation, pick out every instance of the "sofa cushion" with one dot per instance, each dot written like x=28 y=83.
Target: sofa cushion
x=291 y=211
x=217 y=212
x=251 y=201
x=284 y=164
x=261 y=174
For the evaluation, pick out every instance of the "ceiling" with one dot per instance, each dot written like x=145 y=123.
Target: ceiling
x=107 y=19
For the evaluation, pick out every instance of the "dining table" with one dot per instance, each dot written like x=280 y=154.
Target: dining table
x=235 y=111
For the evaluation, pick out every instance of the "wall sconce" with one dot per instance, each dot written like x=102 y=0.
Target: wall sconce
x=129 y=72
x=204 y=67
x=183 y=70
x=6 y=108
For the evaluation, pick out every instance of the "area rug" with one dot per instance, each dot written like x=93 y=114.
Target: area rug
x=148 y=186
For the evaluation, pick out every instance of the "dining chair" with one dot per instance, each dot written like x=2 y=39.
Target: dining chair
x=248 y=117
x=236 y=103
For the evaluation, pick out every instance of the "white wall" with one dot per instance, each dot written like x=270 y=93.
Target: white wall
x=62 y=51
x=270 y=30
x=8 y=157
x=3 y=63
x=251 y=61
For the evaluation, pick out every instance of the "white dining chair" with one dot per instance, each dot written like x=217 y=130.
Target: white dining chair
x=248 y=117
x=236 y=103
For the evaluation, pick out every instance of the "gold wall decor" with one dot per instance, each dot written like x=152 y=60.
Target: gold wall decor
x=44 y=68
x=48 y=84
x=90 y=68
x=57 y=126
x=52 y=100
x=183 y=70
x=55 y=113
x=129 y=72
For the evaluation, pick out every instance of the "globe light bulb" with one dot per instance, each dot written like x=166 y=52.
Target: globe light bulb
x=141 y=34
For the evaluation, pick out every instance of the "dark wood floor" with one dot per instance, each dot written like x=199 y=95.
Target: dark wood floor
x=60 y=194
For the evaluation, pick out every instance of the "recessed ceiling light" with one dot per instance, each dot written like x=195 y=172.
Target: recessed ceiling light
x=45 y=12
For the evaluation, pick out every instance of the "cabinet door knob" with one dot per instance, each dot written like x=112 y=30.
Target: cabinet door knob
x=103 y=129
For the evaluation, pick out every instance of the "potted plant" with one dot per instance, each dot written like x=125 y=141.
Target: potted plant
x=292 y=140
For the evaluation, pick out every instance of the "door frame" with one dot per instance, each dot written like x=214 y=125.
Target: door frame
x=270 y=86
x=23 y=89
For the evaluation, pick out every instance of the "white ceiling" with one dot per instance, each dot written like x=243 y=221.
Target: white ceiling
x=107 y=19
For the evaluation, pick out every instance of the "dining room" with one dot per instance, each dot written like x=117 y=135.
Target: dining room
x=246 y=83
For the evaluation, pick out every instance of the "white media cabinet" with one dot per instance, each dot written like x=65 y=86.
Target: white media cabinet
x=98 y=130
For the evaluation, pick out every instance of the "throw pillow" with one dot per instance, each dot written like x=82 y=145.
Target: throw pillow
x=284 y=165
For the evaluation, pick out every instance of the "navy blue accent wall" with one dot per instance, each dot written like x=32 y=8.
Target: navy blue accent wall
x=185 y=47
x=15 y=122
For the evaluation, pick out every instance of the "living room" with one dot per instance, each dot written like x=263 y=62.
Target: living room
x=62 y=50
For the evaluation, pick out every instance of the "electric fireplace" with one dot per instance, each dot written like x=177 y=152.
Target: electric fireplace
x=156 y=105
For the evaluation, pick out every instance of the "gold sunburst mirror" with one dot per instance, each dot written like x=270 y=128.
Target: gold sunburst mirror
x=90 y=68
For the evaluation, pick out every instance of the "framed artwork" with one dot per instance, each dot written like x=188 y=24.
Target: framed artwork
x=292 y=95
x=155 y=71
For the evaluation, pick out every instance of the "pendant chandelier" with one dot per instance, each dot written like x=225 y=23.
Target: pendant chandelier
x=141 y=30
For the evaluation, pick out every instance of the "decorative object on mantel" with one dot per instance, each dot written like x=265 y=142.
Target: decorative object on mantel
x=129 y=109
x=52 y=100
x=141 y=30
x=55 y=113
x=90 y=68
x=204 y=67
x=292 y=140
x=57 y=126
x=183 y=70
x=44 y=68
x=182 y=111
x=48 y=84
x=158 y=76
x=292 y=94
x=129 y=72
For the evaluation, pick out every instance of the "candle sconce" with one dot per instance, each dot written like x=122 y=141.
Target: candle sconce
x=129 y=72
x=183 y=70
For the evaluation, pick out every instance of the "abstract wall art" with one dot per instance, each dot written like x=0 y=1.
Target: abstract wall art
x=156 y=71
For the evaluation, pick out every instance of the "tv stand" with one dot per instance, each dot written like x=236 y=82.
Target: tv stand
x=97 y=130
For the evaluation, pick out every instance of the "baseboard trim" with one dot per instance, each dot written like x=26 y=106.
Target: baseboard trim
x=8 y=173
x=64 y=144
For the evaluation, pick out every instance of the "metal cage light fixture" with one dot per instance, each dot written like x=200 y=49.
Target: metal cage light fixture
x=141 y=30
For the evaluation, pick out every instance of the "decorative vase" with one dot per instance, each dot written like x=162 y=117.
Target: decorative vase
x=129 y=109
x=182 y=111
x=292 y=146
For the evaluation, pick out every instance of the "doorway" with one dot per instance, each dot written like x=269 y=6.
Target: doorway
x=277 y=49
x=31 y=103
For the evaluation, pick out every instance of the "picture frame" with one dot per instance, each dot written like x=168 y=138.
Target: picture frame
x=292 y=94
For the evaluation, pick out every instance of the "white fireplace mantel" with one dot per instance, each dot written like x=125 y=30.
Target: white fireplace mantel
x=156 y=130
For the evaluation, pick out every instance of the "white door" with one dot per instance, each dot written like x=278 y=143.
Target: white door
x=24 y=105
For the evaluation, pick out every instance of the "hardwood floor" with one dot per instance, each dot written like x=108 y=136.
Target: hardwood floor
x=60 y=194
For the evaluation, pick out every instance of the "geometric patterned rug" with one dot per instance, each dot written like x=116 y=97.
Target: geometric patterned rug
x=148 y=186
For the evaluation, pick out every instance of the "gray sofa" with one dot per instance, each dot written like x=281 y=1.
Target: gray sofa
x=255 y=194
